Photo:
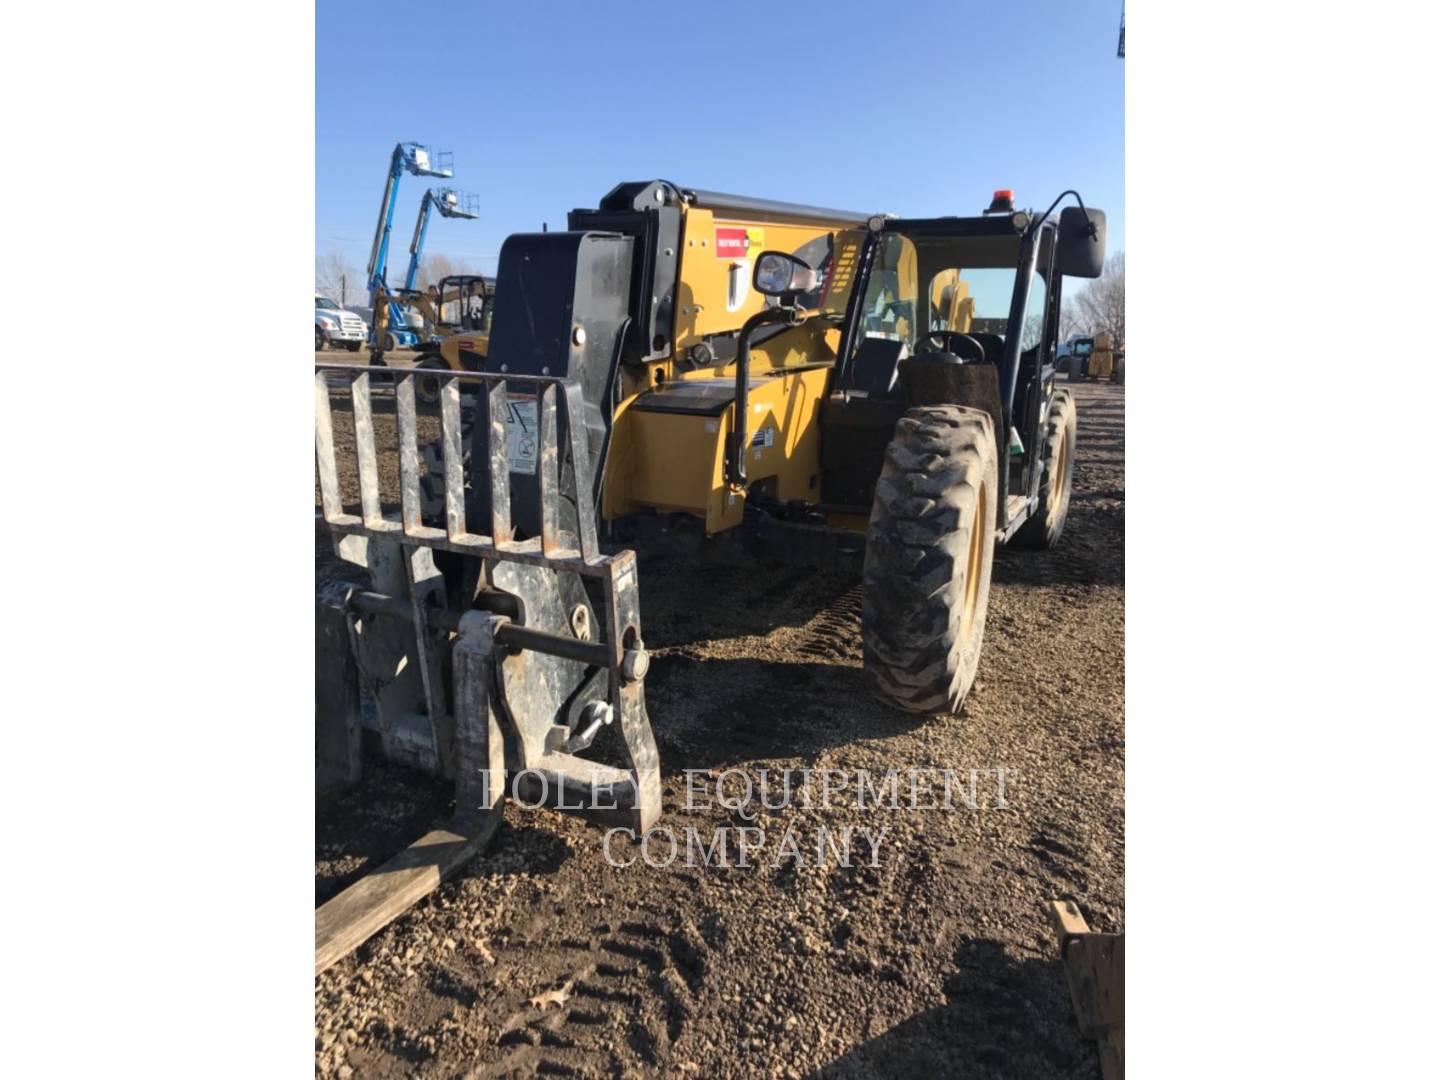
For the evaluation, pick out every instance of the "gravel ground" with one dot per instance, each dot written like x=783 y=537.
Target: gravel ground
x=929 y=954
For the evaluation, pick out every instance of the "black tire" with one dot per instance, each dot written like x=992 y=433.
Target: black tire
x=320 y=342
x=928 y=559
x=390 y=343
x=353 y=346
x=1057 y=457
x=1118 y=376
x=427 y=388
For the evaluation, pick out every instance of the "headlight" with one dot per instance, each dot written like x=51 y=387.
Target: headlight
x=330 y=320
x=777 y=273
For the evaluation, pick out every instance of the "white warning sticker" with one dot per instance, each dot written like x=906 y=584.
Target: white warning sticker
x=764 y=437
x=522 y=430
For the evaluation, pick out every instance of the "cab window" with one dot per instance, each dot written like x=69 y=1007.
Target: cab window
x=891 y=300
x=1033 y=330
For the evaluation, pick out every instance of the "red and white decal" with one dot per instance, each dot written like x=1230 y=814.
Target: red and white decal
x=731 y=243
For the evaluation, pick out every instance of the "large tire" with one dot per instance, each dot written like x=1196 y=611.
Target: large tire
x=319 y=339
x=1057 y=457
x=928 y=558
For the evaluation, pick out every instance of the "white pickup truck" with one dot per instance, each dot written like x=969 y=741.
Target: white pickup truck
x=334 y=326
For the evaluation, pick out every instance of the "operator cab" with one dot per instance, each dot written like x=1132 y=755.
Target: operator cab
x=971 y=301
x=464 y=303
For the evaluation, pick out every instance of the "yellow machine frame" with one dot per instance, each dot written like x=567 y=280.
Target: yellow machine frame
x=673 y=463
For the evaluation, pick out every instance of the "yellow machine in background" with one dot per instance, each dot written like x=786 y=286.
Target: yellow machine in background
x=1102 y=358
x=951 y=302
x=457 y=312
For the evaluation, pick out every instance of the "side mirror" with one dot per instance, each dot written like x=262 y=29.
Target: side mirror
x=1081 y=250
x=779 y=274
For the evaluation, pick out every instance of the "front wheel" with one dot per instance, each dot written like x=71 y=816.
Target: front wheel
x=928 y=558
x=319 y=339
x=353 y=346
x=1057 y=460
x=427 y=387
x=390 y=343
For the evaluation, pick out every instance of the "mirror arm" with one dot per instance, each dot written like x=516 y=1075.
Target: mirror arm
x=1035 y=225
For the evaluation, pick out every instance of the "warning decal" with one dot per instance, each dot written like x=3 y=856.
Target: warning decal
x=522 y=430
x=733 y=242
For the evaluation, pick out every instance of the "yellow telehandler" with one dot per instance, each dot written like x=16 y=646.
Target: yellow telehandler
x=842 y=388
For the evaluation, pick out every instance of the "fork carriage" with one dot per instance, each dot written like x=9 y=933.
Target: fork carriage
x=507 y=689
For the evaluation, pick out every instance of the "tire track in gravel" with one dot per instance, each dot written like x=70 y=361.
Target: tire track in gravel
x=937 y=961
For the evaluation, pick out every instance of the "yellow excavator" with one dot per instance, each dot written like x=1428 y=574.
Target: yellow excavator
x=456 y=312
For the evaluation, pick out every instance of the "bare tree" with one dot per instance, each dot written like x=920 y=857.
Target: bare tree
x=1071 y=324
x=337 y=279
x=1100 y=306
x=433 y=268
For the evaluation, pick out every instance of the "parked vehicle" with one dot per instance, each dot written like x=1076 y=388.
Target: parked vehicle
x=1094 y=358
x=334 y=326
x=1077 y=356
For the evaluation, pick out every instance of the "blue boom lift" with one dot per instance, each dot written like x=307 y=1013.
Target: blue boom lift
x=451 y=204
x=390 y=328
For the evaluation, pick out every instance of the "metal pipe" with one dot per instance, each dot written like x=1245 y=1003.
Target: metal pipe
x=1019 y=302
x=462 y=376
x=594 y=653
x=745 y=205
x=736 y=443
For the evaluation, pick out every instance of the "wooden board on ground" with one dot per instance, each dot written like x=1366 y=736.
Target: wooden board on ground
x=346 y=921
x=1095 y=970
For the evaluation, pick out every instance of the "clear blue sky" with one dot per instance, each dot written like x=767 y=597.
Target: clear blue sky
x=901 y=106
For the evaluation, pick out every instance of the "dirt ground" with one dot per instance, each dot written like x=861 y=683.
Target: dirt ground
x=929 y=955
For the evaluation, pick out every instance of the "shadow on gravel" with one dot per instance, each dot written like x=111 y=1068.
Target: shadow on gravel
x=758 y=710
x=724 y=596
x=358 y=829
x=1086 y=554
x=539 y=848
x=1003 y=1018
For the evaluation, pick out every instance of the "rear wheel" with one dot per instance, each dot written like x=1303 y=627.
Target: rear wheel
x=928 y=558
x=390 y=343
x=1057 y=458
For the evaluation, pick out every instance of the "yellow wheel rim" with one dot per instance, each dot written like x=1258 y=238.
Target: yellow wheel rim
x=1057 y=482
x=979 y=532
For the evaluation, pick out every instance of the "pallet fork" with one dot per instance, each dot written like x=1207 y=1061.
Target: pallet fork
x=529 y=691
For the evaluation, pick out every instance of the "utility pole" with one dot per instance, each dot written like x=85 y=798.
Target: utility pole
x=342 y=290
x=1120 y=52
